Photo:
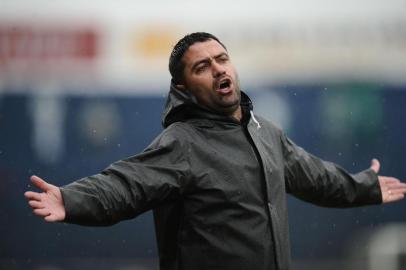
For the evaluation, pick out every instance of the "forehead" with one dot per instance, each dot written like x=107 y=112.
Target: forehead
x=201 y=50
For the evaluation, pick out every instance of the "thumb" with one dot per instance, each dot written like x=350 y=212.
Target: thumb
x=375 y=165
x=40 y=183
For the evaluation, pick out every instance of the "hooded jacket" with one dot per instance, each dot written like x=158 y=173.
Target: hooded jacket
x=217 y=187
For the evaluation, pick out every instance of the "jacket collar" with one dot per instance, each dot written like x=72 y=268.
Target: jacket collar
x=180 y=106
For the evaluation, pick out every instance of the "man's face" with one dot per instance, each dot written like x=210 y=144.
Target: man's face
x=211 y=77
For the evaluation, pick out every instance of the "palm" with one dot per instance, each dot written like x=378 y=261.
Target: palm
x=47 y=204
x=391 y=188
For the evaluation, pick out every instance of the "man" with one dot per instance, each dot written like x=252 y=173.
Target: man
x=216 y=177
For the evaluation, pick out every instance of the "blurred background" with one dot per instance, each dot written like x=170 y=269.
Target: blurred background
x=83 y=83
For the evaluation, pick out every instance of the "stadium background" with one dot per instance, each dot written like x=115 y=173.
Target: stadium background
x=83 y=83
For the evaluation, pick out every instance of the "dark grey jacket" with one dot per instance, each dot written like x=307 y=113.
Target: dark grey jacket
x=218 y=189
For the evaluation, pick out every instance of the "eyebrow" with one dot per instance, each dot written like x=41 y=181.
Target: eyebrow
x=207 y=60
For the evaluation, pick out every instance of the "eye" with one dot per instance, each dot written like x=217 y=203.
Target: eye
x=201 y=68
x=223 y=59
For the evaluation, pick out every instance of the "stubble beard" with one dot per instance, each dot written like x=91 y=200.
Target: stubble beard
x=218 y=103
x=229 y=107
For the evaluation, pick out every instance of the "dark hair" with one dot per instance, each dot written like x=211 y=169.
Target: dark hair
x=176 y=65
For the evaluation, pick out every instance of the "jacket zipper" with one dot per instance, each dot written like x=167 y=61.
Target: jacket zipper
x=272 y=215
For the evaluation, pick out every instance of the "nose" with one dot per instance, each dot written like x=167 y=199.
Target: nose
x=217 y=69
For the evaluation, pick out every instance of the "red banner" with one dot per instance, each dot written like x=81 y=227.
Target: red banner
x=35 y=45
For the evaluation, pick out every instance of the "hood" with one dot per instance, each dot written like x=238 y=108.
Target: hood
x=181 y=105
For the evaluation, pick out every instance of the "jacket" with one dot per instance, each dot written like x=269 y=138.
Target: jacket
x=217 y=188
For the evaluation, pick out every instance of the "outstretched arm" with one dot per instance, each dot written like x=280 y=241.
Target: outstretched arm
x=391 y=188
x=48 y=203
x=327 y=184
x=124 y=190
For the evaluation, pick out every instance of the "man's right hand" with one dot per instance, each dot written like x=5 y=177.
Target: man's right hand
x=48 y=203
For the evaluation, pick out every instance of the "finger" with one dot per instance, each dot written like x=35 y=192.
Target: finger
x=41 y=212
x=389 y=179
x=36 y=204
x=391 y=193
x=396 y=186
x=375 y=165
x=40 y=183
x=395 y=197
x=32 y=195
x=398 y=191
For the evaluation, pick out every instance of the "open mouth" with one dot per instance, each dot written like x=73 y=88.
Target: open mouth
x=224 y=86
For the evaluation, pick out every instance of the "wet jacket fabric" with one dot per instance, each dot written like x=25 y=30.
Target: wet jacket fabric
x=218 y=189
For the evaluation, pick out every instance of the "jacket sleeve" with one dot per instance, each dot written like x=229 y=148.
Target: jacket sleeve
x=324 y=183
x=128 y=187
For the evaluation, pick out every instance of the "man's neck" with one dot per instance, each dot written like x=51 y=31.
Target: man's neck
x=237 y=114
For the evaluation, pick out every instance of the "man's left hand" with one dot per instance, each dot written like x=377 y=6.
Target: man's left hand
x=391 y=188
